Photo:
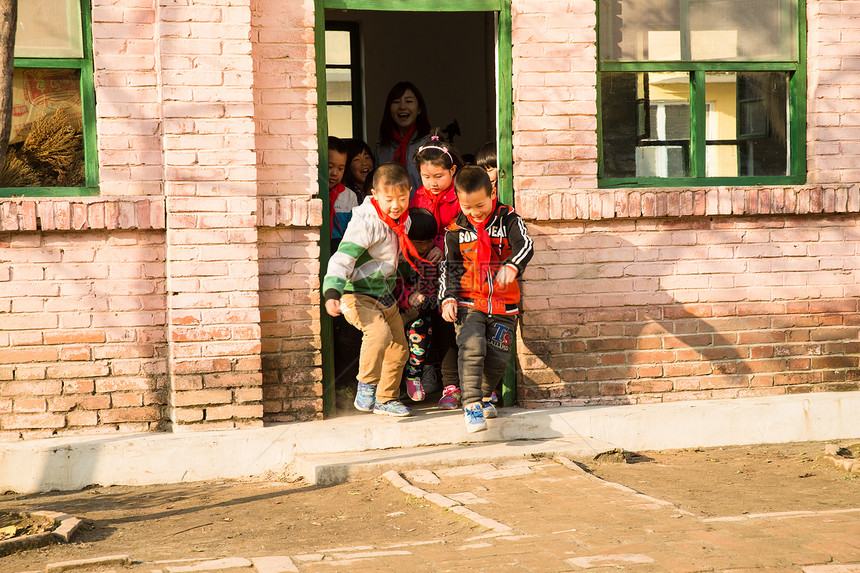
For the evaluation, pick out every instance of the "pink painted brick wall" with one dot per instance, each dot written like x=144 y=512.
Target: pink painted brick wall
x=285 y=97
x=210 y=184
x=658 y=309
x=82 y=338
x=289 y=318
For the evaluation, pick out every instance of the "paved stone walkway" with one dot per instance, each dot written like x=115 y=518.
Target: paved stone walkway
x=547 y=515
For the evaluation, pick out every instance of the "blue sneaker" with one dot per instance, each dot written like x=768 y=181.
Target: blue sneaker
x=392 y=408
x=489 y=410
x=474 y=416
x=494 y=398
x=365 y=397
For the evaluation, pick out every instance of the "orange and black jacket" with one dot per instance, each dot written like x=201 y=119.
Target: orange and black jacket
x=469 y=281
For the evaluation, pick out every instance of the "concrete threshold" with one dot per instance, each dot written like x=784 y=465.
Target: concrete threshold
x=69 y=463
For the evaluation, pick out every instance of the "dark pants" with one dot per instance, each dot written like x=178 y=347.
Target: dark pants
x=445 y=347
x=347 y=347
x=484 y=341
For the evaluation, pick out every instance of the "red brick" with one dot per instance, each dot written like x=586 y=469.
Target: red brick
x=130 y=415
x=83 y=370
x=126 y=400
x=76 y=336
x=95 y=402
x=32 y=421
x=82 y=418
x=29 y=405
x=231 y=411
x=79 y=386
x=123 y=384
x=19 y=356
x=201 y=397
x=31 y=388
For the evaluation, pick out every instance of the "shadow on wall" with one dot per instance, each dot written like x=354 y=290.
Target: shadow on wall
x=624 y=338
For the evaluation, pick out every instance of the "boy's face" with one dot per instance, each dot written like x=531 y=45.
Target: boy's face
x=477 y=205
x=423 y=246
x=392 y=200
x=493 y=172
x=336 y=166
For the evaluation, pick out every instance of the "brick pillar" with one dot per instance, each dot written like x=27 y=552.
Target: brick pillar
x=210 y=188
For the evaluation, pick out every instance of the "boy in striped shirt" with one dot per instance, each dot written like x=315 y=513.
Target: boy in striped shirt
x=359 y=283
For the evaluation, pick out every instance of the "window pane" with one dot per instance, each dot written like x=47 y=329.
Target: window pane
x=340 y=121
x=721 y=125
x=49 y=29
x=742 y=30
x=46 y=146
x=338 y=84
x=337 y=47
x=666 y=30
x=747 y=123
x=645 y=124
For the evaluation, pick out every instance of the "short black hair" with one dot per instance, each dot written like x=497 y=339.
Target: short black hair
x=472 y=179
x=487 y=156
x=423 y=226
x=391 y=175
x=336 y=144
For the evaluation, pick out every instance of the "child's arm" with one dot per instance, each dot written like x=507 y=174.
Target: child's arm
x=449 y=279
x=522 y=249
x=341 y=265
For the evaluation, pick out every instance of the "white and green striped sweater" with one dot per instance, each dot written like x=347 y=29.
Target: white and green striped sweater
x=366 y=260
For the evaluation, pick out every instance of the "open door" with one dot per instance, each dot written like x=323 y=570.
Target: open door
x=458 y=53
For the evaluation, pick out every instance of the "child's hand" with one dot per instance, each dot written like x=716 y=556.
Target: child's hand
x=416 y=299
x=505 y=276
x=332 y=307
x=449 y=311
x=435 y=255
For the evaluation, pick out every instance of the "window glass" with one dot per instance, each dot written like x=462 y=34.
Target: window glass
x=46 y=145
x=646 y=124
x=337 y=48
x=339 y=84
x=683 y=30
x=340 y=121
x=49 y=29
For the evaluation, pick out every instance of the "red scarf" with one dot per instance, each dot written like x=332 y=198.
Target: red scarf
x=485 y=246
x=436 y=201
x=333 y=194
x=402 y=144
x=399 y=227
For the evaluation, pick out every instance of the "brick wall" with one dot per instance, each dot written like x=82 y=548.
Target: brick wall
x=630 y=311
x=82 y=337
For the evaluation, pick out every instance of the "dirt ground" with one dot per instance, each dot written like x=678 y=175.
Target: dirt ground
x=225 y=518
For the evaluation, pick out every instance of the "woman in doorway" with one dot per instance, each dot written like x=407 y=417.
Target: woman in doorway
x=359 y=163
x=403 y=129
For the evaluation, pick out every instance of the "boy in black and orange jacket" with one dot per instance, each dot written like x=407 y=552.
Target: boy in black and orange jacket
x=486 y=249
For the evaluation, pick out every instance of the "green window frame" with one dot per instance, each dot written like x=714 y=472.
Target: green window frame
x=794 y=67
x=88 y=113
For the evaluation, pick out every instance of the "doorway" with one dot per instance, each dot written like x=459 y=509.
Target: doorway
x=457 y=53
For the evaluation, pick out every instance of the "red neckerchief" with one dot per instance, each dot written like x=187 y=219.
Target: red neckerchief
x=436 y=200
x=399 y=227
x=333 y=194
x=485 y=246
x=402 y=144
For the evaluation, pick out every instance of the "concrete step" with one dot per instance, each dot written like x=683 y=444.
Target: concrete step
x=340 y=467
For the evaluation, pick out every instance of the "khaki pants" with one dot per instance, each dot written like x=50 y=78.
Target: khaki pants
x=383 y=343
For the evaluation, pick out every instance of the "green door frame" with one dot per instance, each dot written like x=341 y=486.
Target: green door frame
x=504 y=96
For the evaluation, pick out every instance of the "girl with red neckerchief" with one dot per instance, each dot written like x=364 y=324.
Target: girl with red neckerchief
x=403 y=129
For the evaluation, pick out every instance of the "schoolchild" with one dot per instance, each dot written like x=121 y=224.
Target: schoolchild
x=416 y=295
x=342 y=200
x=359 y=164
x=437 y=162
x=359 y=283
x=403 y=129
x=488 y=159
x=486 y=250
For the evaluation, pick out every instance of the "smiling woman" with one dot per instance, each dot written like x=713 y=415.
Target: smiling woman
x=403 y=129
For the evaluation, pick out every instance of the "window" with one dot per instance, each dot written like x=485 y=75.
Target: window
x=701 y=92
x=343 y=80
x=52 y=144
